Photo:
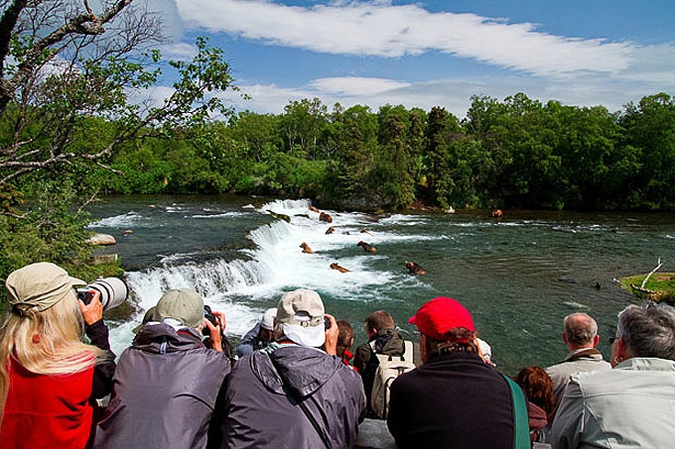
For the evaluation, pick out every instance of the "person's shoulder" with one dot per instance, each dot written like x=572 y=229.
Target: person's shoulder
x=563 y=368
x=594 y=382
x=209 y=356
x=363 y=352
x=555 y=369
x=347 y=373
x=363 y=347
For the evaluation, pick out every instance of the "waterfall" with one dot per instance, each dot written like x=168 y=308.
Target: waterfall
x=244 y=286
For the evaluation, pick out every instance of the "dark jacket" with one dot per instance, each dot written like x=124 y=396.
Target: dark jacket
x=164 y=391
x=453 y=401
x=388 y=342
x=250 y=342
x=261 y=400
x=104 y=369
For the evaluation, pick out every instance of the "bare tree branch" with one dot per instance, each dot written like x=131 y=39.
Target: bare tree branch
x=80 y=24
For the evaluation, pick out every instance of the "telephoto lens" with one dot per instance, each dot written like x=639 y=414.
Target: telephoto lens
x=113 y=292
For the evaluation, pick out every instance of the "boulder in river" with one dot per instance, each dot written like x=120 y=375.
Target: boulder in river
x=101 y=239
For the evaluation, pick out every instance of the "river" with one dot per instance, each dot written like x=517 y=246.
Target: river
x=518 y=275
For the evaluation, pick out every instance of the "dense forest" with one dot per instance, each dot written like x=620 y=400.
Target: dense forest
x=516 y=153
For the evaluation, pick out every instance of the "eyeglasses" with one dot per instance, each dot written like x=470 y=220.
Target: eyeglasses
x=613 y=339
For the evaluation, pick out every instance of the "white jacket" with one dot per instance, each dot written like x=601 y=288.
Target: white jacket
x=630 y=406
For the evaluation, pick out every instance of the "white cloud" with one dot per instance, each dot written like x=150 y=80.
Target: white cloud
x=179 y=50
x=356 y=86
x=172 y=26
x=382 y=29
x=452 y=94
x=575 y=71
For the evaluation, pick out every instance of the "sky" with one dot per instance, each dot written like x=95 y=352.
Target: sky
x=432 y=52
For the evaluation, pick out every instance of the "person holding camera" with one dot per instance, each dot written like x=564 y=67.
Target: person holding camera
x=260 y=336
x=167 y=382
x=292 y=393
x=49 y=378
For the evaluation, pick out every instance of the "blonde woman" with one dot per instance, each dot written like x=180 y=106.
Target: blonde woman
x=49 y=378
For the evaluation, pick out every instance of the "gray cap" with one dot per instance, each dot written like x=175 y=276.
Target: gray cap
x=39 y=286
x=301 y=313
x=184 y=305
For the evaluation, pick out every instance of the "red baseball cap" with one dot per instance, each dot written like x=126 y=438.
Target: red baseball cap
x=439 y=315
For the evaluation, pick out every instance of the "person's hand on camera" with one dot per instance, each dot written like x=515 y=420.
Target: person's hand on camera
x=93 y=311
x=331 y=336
x=215 y=334
x=220 y=317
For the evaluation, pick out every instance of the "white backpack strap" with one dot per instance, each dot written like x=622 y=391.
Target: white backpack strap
x=409 y=351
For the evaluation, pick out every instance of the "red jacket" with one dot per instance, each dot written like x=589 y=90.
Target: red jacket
x=47 y=411
x=56 y=411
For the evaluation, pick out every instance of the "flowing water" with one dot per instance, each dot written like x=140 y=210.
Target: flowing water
x=518 y=276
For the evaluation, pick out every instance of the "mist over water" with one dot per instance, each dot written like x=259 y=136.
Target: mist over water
x=518 y=276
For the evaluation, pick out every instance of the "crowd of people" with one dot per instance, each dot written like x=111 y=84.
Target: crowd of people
x=293 y=381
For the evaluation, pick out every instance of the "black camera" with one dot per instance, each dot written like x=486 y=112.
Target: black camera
x=326 y=322
x=225 y=343
x=208 y=314
x=113 y=292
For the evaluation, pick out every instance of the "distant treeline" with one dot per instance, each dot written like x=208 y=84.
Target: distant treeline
x=516 y=153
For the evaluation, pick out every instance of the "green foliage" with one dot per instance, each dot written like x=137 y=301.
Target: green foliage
x=650 y=129
x=69 y=129
x=659 y=286
x=48 y=230
x=515 y=153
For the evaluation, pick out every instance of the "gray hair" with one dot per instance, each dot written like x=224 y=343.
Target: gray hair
x=580 y=328
x=648 y=330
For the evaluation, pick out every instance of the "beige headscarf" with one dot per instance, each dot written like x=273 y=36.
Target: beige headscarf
x=39 y=286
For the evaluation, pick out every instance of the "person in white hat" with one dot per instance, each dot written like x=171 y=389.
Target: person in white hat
x=167 y=382
x=49 y=378
x=294 y=393
x=261 y=335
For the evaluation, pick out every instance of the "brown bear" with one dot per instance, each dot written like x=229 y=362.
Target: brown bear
x=415 y=268
x=335 y=266
x=366 y=247
x=325 y=217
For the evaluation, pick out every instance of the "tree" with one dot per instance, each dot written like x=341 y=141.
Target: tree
x=302 y=124
x=63 y=66
x=354 y=157
x=442 y=130
x=650 y=129
x=392 y=176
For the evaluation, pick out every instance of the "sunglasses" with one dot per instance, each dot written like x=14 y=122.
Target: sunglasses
x=611 y=331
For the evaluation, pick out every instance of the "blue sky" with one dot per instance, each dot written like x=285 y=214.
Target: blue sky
x=431 y=53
